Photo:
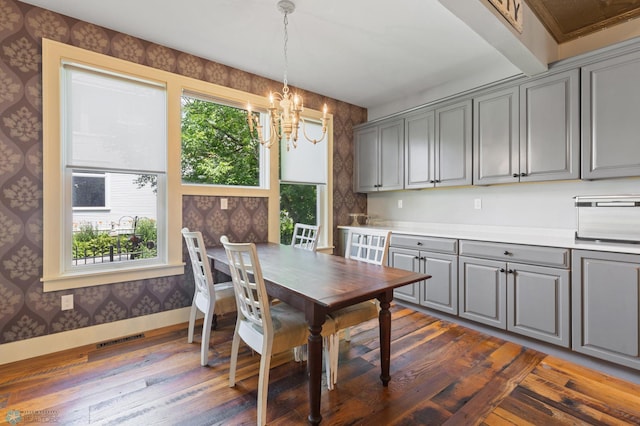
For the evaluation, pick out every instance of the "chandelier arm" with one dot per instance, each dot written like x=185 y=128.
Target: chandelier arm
x=304 y=132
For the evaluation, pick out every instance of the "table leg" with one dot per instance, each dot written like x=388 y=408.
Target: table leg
x=314 y=364
x=384 y=319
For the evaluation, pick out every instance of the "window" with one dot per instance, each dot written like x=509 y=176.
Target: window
x=105 y=168
x=88 y=190
x=217 y=148
x=304 y=179
x=117 y=125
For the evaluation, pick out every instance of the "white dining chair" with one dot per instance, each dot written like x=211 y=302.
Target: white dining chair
x=365 y=245
x=305 y=236
x=209 y=298
x=266 y=329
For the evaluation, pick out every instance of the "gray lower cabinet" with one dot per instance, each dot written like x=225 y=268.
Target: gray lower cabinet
x=521 y=295
x=379 y=156
x=610 y=125
x=434 y=256
x=606 y=306
x=483 y=291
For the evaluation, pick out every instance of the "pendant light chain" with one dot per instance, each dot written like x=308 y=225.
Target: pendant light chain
x=286 y=41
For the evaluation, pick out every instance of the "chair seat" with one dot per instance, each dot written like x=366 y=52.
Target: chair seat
x=289 y=327
x=355 y=314
x=225 y=298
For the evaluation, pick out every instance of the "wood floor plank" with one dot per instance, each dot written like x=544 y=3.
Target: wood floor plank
x=442 y=373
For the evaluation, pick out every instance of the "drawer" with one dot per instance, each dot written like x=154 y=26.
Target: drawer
x=441 y=245
x=535 y=255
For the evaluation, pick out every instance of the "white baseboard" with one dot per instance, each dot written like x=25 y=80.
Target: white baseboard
x=29 y=348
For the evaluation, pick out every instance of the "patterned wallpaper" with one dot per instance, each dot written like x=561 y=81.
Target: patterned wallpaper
x=25 y=311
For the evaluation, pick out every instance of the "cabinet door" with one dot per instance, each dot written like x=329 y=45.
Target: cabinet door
x=441 y=290
x=610 y=125
x=538 y=302
x=419 y=151
x=408 y=260
x=606 y=306
x=391 y=137
x=366 y=165
x=482 y=291
x=453 y=145
x=550 y=128
x=495 y=137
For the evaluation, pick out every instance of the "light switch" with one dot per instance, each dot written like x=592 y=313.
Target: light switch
x=224 y=203
x=399 y=204
x=477 y=203
x=66 y=302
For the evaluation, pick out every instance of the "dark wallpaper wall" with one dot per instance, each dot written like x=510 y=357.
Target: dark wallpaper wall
x=25 y=311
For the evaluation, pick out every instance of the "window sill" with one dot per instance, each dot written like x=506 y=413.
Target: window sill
x=83 y=279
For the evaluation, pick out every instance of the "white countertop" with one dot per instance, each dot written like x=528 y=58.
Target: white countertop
x=548 y=237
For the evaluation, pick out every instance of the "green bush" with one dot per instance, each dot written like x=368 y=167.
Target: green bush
x=90 y=242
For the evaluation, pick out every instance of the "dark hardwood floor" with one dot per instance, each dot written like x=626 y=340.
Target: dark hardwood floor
x=442 y=373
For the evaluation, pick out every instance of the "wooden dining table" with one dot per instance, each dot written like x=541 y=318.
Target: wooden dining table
x=318 y=284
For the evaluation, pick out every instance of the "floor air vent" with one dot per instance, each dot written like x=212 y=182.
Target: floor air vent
x=120 y=340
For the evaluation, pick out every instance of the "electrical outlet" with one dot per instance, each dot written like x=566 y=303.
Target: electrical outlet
x=224 y=203
x=399 y=204
x=66 y=302
x=477 y=203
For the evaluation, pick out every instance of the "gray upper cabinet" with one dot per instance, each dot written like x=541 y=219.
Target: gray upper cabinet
x=550 y=128
x=610 y=121
x=438 y=147
x=453 y=144
x=419 y=150
x=606 y=306
x=379 y=159
x=496 y=137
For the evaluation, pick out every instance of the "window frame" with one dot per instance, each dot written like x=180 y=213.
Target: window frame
x=54 y=278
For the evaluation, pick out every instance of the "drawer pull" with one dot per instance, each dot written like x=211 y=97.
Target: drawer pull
x=502 y=269
x=506 y=253
x=419 y=243
x=511 y=271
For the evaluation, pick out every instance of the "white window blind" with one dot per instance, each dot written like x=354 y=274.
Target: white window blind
x=308 y=162
x=114 y=122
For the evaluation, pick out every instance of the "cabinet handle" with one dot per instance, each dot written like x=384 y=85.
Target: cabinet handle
x=523 y=174
x=419 y=243
x=501 y=269
x=515 y=175
x=416 y=257
x=437 y=180
x=506 y=253
x=511 y=271
x=432 y=181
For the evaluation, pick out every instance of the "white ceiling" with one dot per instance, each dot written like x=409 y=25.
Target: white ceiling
x=365 y=52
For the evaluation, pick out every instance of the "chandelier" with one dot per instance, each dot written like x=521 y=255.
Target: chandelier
x=284 y=108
